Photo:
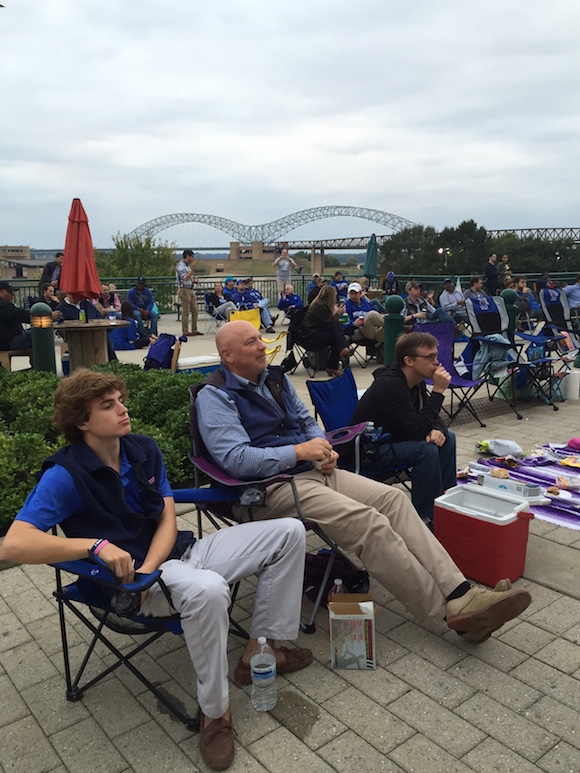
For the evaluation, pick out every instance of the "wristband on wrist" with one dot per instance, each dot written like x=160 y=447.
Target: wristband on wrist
x=98 y=546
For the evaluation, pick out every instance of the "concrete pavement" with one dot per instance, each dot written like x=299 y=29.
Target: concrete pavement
x=433 y=705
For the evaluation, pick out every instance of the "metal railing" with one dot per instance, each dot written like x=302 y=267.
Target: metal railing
x=164 y=288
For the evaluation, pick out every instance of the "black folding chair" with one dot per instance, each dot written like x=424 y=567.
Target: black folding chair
x=300 y=350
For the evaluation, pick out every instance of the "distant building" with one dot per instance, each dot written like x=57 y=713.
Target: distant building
x=14 y=260
x=253 y=251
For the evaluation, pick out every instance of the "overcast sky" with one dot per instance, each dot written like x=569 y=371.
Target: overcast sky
x=253 y=109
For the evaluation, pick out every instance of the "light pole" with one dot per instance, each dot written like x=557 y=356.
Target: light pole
x=445 y=252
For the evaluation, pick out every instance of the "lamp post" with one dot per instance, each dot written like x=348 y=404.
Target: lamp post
x=393 y=324
x=42 y=338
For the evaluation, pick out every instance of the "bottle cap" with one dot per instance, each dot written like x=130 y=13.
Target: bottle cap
x=262 y=639
x=338 y=581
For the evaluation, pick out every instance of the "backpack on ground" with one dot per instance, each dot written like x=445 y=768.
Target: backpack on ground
x=160 y=353
x=354 y=579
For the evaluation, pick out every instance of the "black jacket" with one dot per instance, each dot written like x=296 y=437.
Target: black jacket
x=11 y=319
x=47 y=273
x=408 y=414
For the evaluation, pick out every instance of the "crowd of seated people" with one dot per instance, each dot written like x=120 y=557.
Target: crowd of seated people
x=249 y=298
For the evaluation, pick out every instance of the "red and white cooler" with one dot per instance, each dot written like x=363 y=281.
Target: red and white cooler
x=484 y=531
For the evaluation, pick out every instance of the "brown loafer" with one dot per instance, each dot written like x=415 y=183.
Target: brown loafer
x=216 y=743
x=296 y=659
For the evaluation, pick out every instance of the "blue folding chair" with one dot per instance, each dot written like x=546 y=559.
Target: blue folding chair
x=334 y=400
x=90 y=599
x=489 y=320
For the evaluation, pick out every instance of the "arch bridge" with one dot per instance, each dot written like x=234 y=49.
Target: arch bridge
x=270 y=232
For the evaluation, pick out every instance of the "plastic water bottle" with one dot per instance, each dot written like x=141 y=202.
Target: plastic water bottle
x=112 y=315
x=338 y=587
x=263 y=669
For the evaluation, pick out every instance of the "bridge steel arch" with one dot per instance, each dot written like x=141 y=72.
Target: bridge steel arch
x=269 y=232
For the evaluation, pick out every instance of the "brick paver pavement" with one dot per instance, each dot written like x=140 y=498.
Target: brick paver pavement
x=433 y=705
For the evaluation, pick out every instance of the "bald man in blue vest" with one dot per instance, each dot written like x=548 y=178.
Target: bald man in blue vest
x=255 y=426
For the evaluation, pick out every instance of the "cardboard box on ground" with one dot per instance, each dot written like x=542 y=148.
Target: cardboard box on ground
x=352 y=631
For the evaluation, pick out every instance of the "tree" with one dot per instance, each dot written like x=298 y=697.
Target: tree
x=331 y=261
x=135 y=256
x=410 y=251
x=467 y=248
x=532 y=256
x=352 y=261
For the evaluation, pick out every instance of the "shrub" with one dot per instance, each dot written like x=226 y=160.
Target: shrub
x=158 y=403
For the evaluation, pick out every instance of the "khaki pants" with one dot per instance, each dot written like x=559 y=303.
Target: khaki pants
x=380 y=525
x=373 y=328
x=188 y=306
x=199 y=588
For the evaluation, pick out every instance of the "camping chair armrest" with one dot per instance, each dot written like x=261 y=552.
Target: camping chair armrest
x=204 y=496
x=342 y=435
x=538 y=339
x=98 y=571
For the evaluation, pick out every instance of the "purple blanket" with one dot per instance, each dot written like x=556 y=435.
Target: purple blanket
x=564 y=510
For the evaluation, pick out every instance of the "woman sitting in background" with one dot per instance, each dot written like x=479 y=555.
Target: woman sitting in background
x=129 y=338
x=322 y=328
x=221 y=305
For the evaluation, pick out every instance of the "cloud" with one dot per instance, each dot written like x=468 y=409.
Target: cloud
x=250 y=110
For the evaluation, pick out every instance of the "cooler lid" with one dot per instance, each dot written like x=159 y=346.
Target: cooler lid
x=484 y=504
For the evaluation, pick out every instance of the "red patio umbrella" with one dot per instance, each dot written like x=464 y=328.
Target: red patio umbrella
x=79 y=272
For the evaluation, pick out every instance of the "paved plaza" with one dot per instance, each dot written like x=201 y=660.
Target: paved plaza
x=434 y=704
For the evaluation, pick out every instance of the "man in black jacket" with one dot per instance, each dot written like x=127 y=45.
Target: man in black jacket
x=12 y=334
x=398 y=402
x=51 y=273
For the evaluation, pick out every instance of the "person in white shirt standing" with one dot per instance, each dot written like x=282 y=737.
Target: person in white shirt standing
x=186 y=293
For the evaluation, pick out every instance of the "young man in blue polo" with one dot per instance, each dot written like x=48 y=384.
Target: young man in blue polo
x=109 y=492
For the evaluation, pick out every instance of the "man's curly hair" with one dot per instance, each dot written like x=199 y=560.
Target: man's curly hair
x=73 y=398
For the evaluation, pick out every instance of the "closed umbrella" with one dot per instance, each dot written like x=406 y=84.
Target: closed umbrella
x=79 y=273
x=370 y=267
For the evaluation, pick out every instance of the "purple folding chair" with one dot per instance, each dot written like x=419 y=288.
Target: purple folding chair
x=463 y=389
x=249 y=494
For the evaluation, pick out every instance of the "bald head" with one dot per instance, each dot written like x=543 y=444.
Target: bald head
x=241 y=349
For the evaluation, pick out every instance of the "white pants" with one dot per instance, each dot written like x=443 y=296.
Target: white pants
x=199 y=586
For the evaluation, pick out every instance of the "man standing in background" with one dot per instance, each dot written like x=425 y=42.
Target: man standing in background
x=491 y=274
x=51 y=273
x=185 y=292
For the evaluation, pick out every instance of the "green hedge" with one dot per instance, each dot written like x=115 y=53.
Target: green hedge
x=158 y=404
